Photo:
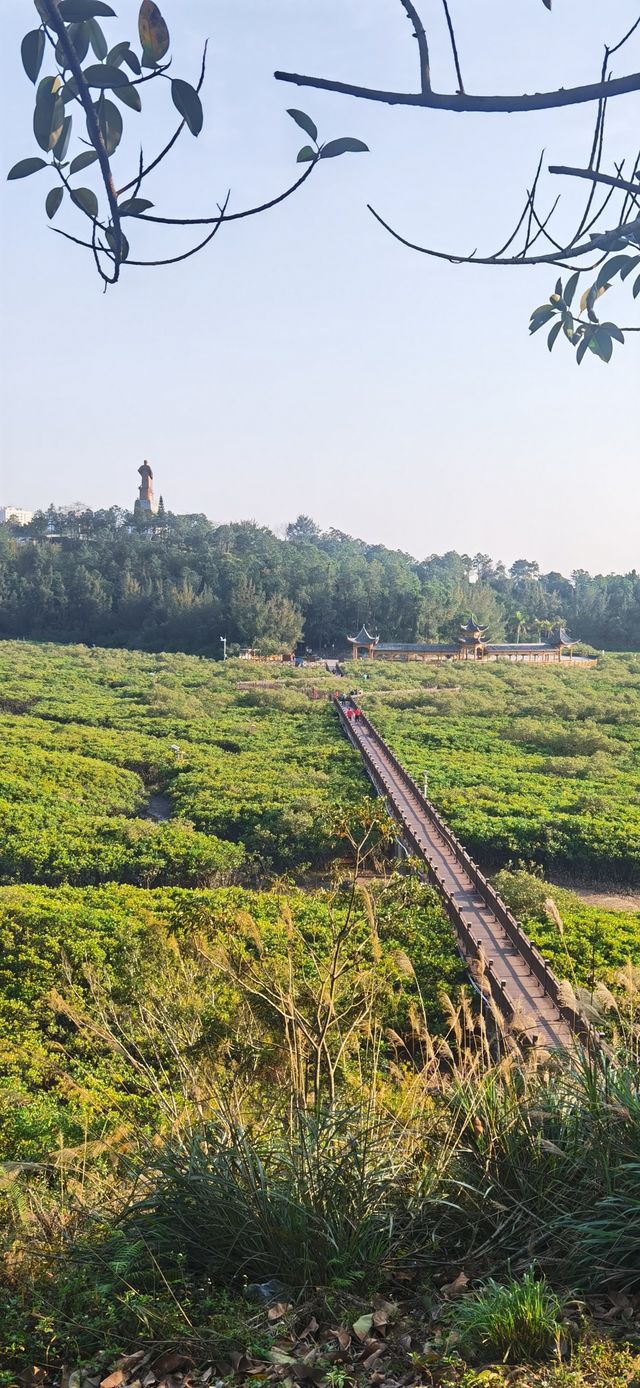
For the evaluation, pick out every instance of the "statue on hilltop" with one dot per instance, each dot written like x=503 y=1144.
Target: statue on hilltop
x=145 y=500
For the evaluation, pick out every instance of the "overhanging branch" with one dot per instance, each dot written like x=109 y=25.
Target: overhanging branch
x=596 y=177
x=464 y=103
x=56 y=22
x=595 y=245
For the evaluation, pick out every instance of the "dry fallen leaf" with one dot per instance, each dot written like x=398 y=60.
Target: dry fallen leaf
x=362 y=1326
x=309 y=1329
x=380 y=1303
x=342 y=1336
x=129 y=1360
x=275 y=1313
x=371 y=1359
x=458 y=1285
x=113 y=1380
x=278 y=1356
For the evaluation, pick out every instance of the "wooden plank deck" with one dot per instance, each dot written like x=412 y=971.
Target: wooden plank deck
x=535 y=1010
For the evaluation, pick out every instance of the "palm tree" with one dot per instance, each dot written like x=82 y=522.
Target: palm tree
x=518 y=618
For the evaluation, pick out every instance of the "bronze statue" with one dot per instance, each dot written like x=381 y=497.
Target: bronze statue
x=146 y=490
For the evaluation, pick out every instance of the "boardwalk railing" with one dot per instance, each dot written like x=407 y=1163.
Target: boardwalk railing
x=536 y=964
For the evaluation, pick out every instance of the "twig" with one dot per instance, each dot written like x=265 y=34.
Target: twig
x=531 y=199
x=233 y=216
x=454 y=47
x=595 y=156
x=597 y=243
x=599 y=211
x=423 y=44
x=514 y=233
x=542 y=227
x=596 y=177
x=135 y=182
x=170 y=260
x=625 y=39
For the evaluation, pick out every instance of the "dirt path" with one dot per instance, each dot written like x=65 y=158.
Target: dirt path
x=159 y=808
x=608 y=901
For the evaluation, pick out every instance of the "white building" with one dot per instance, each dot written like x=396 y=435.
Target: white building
x=15 y=515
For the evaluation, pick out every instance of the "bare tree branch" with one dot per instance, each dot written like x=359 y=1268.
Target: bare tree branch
x=464 y=103
x=596 y=177
x=559 y=257
x=171 y=260
x=454 y=46
x=531 y=195
x=423 y=44
x=624 y=39
x=542 y=226
x=232 y=216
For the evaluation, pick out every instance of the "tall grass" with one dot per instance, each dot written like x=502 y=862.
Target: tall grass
x=321 y=1203
x=376 y=1156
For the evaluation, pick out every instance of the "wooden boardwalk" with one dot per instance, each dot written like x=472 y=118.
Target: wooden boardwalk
x=521 y=982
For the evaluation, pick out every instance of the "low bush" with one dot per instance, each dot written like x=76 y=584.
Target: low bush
x=322 y=1204
x=533 y=764
x=518 y=1321
x=584 y=943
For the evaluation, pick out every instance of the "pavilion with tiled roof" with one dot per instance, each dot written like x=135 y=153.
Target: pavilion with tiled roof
x=471 y=644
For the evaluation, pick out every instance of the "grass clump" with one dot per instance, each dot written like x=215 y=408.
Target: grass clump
x=318 y=1205
x=517 y=1321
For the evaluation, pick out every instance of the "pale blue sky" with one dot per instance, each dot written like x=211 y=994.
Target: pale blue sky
x=306 y=362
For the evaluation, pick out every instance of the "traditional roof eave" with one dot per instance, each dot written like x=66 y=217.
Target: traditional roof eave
x=364 y=638
x=472 y=626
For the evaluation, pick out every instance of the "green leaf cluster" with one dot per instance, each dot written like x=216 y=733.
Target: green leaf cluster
x=590 y=334
x=331 y=150
x=53 y=128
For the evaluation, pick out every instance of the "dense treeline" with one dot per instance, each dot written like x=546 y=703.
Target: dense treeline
x=99 y=578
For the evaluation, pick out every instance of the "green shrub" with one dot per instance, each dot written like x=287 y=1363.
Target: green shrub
x=539 y=765
x=518 y=1321
x=101 y=731
x=594 y=943
x=321 y=1205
